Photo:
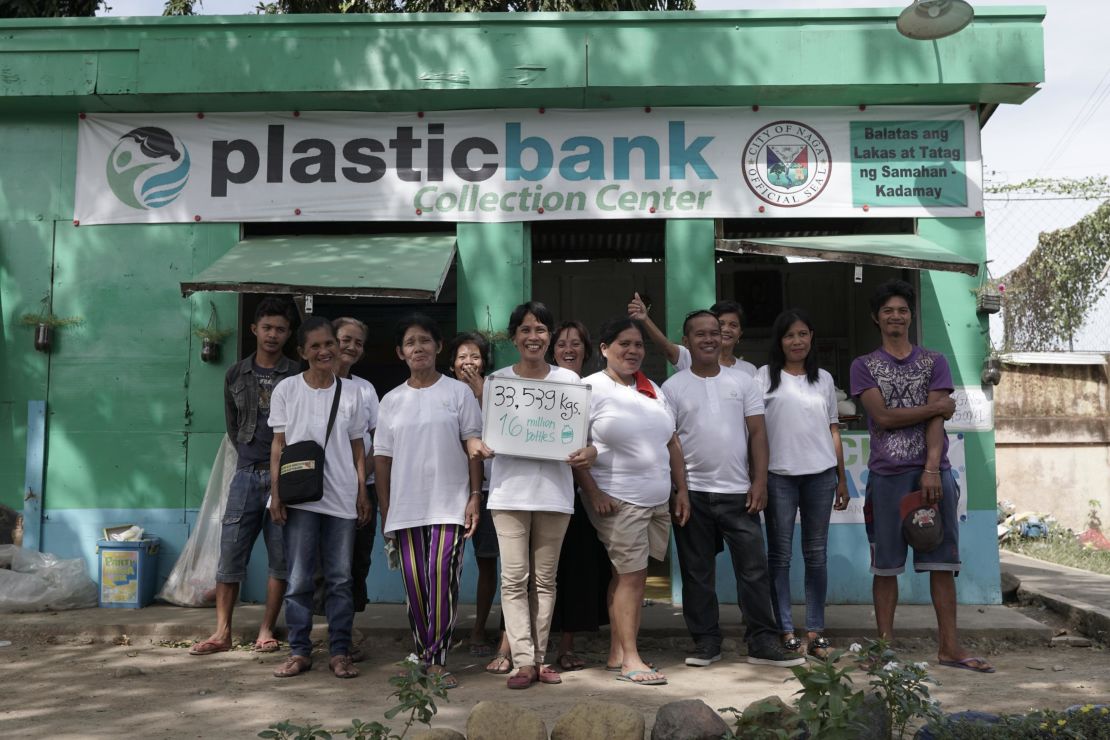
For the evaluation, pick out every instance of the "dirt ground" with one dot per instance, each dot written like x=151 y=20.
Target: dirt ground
x=79 y=688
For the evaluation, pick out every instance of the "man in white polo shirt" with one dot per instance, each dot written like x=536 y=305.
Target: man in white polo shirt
x=718 y=412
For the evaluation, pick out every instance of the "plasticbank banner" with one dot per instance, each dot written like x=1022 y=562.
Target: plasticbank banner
x=522 y=165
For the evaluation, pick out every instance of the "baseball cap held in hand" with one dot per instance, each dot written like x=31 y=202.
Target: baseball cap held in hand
x=921 y=524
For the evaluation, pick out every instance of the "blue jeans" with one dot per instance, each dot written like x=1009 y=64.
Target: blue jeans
x=813 y=495
x=306 y=535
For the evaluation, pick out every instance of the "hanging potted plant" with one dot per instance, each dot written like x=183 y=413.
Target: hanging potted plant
x=211 y=336
x=45 y=322
x=988 y=298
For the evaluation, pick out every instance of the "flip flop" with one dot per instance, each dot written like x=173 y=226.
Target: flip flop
x=207 y=647
x=448 y=679
x=501 y=663
x=630 y=677
x=266 y=646
x=617 y=668
x=342 y=667
x=294 y=665
x=969 y=664
x=571 y=662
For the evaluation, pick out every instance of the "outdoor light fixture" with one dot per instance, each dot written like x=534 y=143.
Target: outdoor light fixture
x=934 y=19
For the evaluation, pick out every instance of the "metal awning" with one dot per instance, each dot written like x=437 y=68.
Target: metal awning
x=885 y=250
x=378 y=266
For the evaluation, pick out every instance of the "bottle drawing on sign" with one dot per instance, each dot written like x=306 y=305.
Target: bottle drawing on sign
x=568 y=434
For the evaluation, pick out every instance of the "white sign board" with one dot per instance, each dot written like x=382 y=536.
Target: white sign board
x=529 y=164
x=857 y=448
x=535 y=418
x=974 y=409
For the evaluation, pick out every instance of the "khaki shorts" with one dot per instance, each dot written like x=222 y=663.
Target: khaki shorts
x=632 y=533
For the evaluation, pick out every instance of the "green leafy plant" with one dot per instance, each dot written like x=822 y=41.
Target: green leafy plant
x=903 y=688
x=828 y=703
x=1083 y=723
x=212 y=330
x=416 y=691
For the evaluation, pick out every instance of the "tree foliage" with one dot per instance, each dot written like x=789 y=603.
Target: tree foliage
x=187 y=7
x=1048 y=297
x=1070 y=187
x=50 y=8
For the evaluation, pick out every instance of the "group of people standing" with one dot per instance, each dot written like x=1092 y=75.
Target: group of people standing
x=706 y=453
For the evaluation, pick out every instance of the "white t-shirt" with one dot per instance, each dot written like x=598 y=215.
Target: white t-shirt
x=798 y=417
x=301 y=412
x=630 y=432
x=369 y=398
x=523 y=484
x=711 y=415
x=423 y=430
x=684 y=362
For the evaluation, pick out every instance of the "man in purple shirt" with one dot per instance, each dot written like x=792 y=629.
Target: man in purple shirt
x=906 y=392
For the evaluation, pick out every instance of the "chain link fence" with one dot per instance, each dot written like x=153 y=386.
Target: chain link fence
x=1014 y=222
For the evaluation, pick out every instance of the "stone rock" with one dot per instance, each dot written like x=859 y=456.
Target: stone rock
x=499 y=720
x=1070 y=641
x=1010 y=586
x=688 y=719
x=873 y=715
x=771 y=713
x=127 y=672
x=599 y=720
x=439 y=733
x=1058 y=668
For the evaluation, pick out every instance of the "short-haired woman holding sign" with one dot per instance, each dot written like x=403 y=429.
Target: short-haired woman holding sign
x=531 y=501
x=427 y=488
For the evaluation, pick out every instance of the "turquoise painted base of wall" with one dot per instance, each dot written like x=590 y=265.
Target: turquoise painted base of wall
x=72 y=533
x=850 y=559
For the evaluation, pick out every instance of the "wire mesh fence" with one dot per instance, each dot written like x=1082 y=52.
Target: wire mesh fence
x=1015 y=223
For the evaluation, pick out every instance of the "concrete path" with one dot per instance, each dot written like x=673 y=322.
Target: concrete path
x=1080 y=595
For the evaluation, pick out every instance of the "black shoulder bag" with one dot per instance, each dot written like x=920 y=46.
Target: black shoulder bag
x=301 y=473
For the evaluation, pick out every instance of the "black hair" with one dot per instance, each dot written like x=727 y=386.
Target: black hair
x=782 y=324
x=720 y=308
x=893 y=288
x=311 y=324
x=470 y=337
x=539 y=310
x=272 y=306
x=583 y=334
x=693 y=315
x=610 y=330
x=425 y=322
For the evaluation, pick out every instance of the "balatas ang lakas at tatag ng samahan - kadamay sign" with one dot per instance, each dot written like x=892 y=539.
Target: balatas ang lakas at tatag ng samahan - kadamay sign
x=519 y=165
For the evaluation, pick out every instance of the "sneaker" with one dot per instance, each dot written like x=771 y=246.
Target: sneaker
x=704 y=655
x=772 y=654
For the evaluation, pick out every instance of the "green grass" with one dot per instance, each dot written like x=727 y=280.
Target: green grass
x=1060 y=547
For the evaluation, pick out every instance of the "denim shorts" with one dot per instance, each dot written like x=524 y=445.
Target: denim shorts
x=244 y=517
x=882 y=517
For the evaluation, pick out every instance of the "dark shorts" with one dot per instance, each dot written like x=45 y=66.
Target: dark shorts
x=245 y=517
x=485 y=536
x=883 y=519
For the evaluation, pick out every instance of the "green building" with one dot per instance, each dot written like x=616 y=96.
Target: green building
x=161 y=174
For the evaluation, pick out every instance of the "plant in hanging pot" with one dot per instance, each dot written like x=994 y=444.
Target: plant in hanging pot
x=211 y=336
x=988 y=298
x=44 y=323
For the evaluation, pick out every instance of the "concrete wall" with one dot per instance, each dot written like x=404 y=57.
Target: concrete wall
x=1052 y=433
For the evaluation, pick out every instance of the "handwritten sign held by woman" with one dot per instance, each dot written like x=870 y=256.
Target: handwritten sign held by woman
x=535 y=418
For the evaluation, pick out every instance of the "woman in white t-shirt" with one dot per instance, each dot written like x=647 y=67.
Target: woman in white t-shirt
x=428 y=486
x=805 y=474
x=531 y=502
x=300 y=407
x=628 y=492
x=730 y=317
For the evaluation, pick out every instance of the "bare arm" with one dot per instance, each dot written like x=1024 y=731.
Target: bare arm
x=638 y=310
x=602 y=502
x=277 y=509
x=759 y=457
x=680 y=505
x=362 y=500
x=841 y=476
x=939 y=405
x=383 y=468
x=934 y=448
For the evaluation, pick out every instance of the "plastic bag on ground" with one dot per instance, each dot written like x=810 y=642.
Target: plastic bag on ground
x=39 y=581
x=192 y=581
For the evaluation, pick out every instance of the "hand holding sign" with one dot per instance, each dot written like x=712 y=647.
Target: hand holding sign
x=540 y=419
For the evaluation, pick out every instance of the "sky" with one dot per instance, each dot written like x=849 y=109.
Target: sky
x=1058 y=132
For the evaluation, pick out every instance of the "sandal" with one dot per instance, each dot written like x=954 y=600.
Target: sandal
x=523 y=678
x=793 y=645
x=446 y=678
x=571 y=662
x=207 y=647
x=342 y=666
x=501 y=664
x=294 y=665
x=269 y=645
x=819 y=647
x=547 y=674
